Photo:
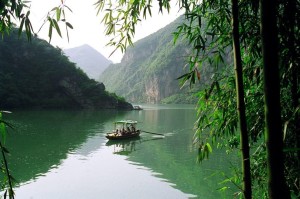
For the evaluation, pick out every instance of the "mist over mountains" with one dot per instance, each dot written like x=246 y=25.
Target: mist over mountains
x=88 y=59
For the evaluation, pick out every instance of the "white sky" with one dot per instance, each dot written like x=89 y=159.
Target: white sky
x=88 y=28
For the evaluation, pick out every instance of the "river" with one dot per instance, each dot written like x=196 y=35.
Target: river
x=65 y=155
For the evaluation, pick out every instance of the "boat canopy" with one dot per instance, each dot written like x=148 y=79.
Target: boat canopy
x=126 y=122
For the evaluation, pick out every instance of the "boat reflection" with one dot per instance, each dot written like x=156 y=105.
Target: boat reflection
x=126 y=147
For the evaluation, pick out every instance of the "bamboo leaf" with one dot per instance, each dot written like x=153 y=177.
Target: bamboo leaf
x=21 y=26
x=183 y=76
x=285 y=129
x=68 y=8
x=56 y=27
x=193 y=78
x=50 y=32
x=149 y=10
x=198 y=74
x=2 y=128
x=53 y=9
x=58 y=13
x=209 y=148
x=28 y=28
x=27 y=14
x=69 y=25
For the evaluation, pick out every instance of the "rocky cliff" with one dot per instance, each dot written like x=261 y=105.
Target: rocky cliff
x=148 y=71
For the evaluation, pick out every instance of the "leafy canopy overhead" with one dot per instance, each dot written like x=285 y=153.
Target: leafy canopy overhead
x=17 y=12
x=121 y=18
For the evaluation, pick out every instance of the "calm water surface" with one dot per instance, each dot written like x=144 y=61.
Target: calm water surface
x=64 y=154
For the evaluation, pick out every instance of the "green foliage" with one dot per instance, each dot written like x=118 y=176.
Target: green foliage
x=203 y=152
x=234 y=179
x=37 y=75
x=120 y=19
x=259 y=171
x=7 y=181
x=12 y=12
x=54 y=17
x=253 y=82
x=208 y=31
x=2 y=128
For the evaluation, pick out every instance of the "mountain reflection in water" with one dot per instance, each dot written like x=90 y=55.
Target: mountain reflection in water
x=63 y=154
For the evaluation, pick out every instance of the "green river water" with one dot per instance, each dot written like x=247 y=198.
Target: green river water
x=65 y=155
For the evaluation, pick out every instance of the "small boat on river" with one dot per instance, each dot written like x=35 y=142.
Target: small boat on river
x=137 y=107
x=124 y=129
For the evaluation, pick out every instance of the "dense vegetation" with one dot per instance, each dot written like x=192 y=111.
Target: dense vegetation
x=37 y=75
x=258 y=105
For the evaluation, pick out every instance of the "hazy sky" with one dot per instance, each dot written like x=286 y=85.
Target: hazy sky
x=88 y=28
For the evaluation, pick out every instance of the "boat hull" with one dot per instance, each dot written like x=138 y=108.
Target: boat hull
x=114 y=136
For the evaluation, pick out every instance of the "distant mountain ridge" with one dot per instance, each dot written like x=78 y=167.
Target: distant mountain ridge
x=88 y=59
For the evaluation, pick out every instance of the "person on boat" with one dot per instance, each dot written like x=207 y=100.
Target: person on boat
x=132 y=128
x=128 y=129
x=117 y=132
x=123 y=132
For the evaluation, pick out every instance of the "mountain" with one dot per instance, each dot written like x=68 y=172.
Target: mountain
x=88 y=59
x=149 y=70
x=37 y=75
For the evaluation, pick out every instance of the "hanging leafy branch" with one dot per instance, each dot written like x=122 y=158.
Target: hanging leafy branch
x=11 y=11
x=54 y=17
x=121 y=17
x=16 y=11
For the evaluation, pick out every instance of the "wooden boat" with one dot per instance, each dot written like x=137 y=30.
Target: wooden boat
x=121 y=143
x=124 y=129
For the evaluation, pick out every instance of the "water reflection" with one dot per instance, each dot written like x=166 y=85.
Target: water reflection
x=126 y=147
x=100 y=174
x=66 y=155
x=42 y=139
x=123 y=147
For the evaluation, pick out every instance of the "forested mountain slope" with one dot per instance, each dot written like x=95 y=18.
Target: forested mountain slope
x=88 y=59
x=37 y=75
x=149 y=70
